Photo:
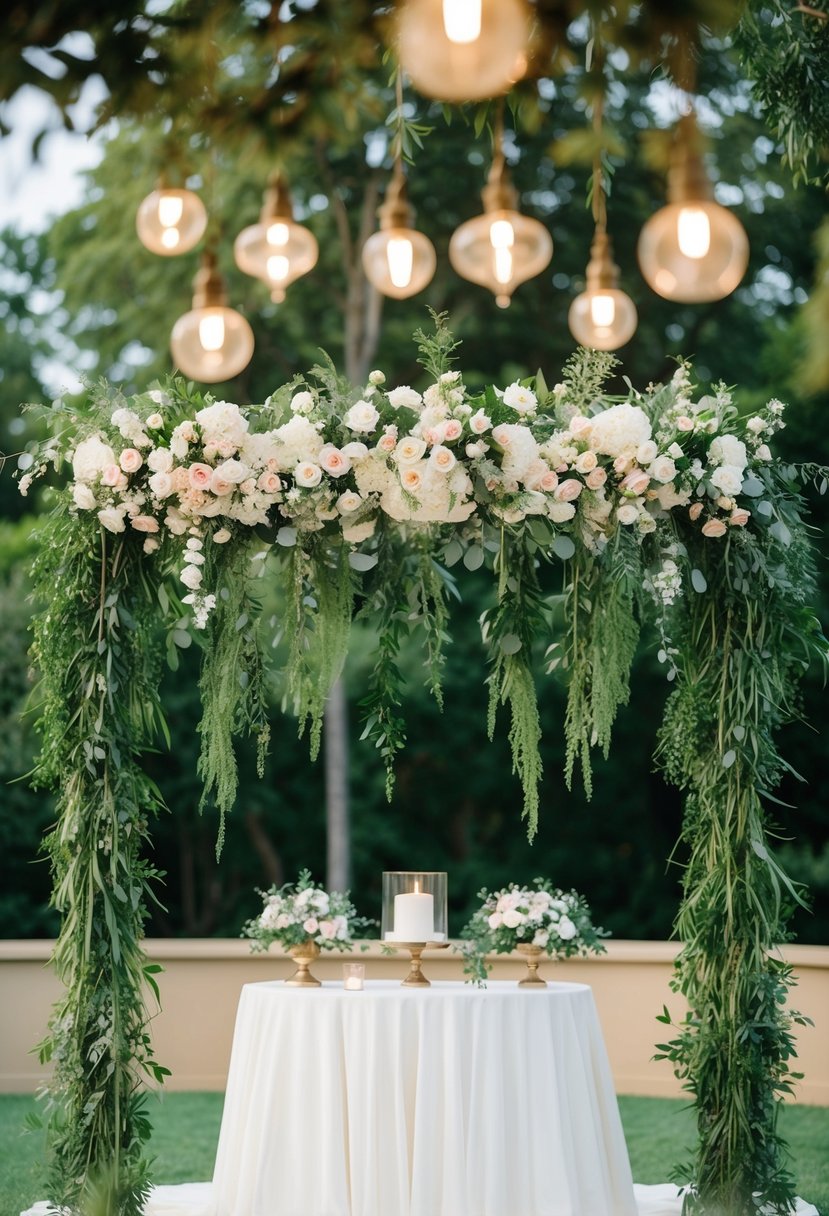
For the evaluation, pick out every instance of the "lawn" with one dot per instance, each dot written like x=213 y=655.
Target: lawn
x=659 y=1133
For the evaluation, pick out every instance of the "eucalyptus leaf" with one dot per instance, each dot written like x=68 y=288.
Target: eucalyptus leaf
x=362 y=561
x=729 y=758
x=286 y=537
x=563 y=547
x=698 y=581
x=473 y=558
x=510 y=643
x=753 y=487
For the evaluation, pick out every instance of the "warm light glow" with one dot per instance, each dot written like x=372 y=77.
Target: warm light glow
x=278 y=234
x=170 y=238
x=400 y=254
x=278 y=267
x=502 y=234
x=602 y=310
x=462 y=20
x=693 y=232
x=212 y=331
x=170 y=210
x=416 y=886
x=503 y=265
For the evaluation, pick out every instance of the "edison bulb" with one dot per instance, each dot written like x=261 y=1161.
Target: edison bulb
x=212 y=344
x=278 y=251
x=463 y=50
x=399 y=262
x=603 y=318
x=170 y=222
x=693 y=251
x=500 y=250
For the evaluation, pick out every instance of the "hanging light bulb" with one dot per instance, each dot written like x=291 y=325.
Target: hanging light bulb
x=602 y=317
x=693 y=250
x=398 y=260
x=501 y=248
x=463 y=50
x=212 y=342
x=170 y=221
x=277 y=249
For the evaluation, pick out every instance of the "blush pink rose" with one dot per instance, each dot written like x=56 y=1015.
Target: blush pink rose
x=220 y=485
x=549 y=481
x=199 y=476
x=695 y=511
x=739 y=517
x=636 y=481
x=130 y=460
x=411 y=480
x=452 y=430
x=568 y=490
x=622 y=463
x=684 y=423
x=387 y=442
x=714 y=527
x=269 y=483
x=579 y=426
x=596 y=479
x=112 y=476
x=144 y=523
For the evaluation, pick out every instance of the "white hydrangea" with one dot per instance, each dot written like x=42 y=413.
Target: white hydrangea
x=298 y=440
x=222 y=422
x=520 y=449
x=728 y=449
x=620 y=430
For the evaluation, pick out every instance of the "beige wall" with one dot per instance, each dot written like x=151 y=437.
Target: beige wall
x=201 y=982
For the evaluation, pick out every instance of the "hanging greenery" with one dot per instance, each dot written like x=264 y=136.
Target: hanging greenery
x=661 y=508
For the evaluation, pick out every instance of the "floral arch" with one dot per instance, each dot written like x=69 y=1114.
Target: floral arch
x=663 y=506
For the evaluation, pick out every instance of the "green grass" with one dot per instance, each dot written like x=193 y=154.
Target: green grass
x=659 y=1132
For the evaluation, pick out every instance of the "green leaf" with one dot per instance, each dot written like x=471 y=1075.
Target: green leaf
x=699 y=581
x=510 y=643
x=473 y=558
x=563 y=547
x=362 y=561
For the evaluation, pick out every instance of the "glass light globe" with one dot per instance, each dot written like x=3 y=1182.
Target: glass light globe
x=602 y=317
x=211 y=342
x=398 y=260
x=170 y=222
x=693 y=250
x=277 y=250
x=463 y=50
x=501 y=248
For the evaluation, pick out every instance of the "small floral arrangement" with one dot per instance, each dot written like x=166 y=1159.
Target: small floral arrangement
x=556 y=921
x=303 y=911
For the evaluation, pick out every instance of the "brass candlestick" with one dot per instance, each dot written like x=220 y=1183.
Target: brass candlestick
x=416 y=978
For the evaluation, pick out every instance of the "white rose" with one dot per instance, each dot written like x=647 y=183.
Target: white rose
x=443 y=459
x=191 y=576
x=377 y=377
x=662 y=469
x=155 y=422
x=495 y=920
x=409 y=450
x=302 y=403
x=83 y=496
x=91 y=457
x=566 y=929
x=756 y=425
x=646 y=452
x=513 y=918
x=362 y=417
x=160 y=460
x=560 y=512
x=233 y=471
x=308 y=474
x=354 y=451
x=628 y=514
x=480 y=422
x=348 y=502
x=404 y=397
x=161 y=485
x=521 y=399
x=764 y=452
x=221 y=537
x=112 y=518
x=728 y=479
x=728 y=449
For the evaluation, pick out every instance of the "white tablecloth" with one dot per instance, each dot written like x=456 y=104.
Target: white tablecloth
x=449 y=1101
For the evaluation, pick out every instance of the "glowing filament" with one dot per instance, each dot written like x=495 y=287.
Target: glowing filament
x=602 y=311
x=212 y=331
x=400 y=255
x=278 y=267
x=502 y=238
x=170 y=238
x=170 y=210
x=693 y=232
x=278 y=234
x=462 y=20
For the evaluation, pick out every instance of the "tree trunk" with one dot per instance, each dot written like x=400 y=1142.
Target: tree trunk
x=361 y=324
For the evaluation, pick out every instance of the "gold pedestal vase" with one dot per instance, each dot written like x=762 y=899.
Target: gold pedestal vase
x=533 y=955
x=303 y=955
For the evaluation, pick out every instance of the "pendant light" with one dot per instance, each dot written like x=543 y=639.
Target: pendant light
x=501 y=248
x=463 y=50
x=693 y=250
x=602 y=317
x=277 y=250
x=170 y=221
x=212 y=342
x=398 y=260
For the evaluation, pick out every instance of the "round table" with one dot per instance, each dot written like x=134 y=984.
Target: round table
x=450 y=1101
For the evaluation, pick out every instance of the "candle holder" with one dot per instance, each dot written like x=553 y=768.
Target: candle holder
x=414 y=916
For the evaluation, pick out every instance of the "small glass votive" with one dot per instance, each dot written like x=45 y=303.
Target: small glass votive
x=353 y=976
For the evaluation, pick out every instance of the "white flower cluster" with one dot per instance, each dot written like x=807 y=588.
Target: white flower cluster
x=301 y=912
x=536 y=916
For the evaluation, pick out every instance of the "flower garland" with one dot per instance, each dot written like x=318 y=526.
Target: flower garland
x=661 y=508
